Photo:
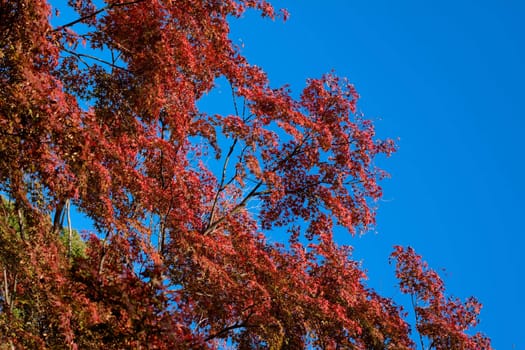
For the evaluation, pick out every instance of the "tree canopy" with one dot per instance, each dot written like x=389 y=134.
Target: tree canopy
x=102 y=112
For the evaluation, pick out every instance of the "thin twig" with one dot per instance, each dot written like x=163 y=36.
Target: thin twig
x=221 y=184
x=6 y=288
x=103 y=255
x=417 y=321
x=226 y=330
x=236 y=209
x=234 y=100
x=93 y=14
x=95 y=58
x=212 y=225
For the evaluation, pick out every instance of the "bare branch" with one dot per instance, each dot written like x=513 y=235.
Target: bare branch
x=59 y=217
x=95 y=58
x=221 y=184
x=414 y=306
x=69 y=228
x=212 y=225
x=91 y=15
x=226 y=330
x=7 y=296
x=234 y=100
x=236 y=209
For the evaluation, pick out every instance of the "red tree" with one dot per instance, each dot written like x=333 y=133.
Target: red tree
x=106 y=118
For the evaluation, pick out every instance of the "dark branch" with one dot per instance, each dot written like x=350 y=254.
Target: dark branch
x=221 y=184
x=91 y=15
x=414 y=306
x=236 y=209
x=59 y=216
x=95 y=58
x=226 y=330
x=254 y=191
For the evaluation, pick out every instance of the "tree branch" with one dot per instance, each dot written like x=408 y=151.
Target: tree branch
x=7 y=296
x=226 y=330
x=212 y=225
x=95 y=58
x=69 y=229
x=93 y=14
x=417 y=321
x=236 y=209
x=221 y=184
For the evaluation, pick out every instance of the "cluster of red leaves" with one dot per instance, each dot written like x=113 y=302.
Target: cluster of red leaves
x=442 y=320
x=107 y=118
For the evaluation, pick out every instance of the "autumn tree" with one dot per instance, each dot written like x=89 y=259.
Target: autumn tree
x=101 y=112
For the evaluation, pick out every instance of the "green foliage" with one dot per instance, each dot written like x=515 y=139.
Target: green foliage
x=78 y=245
x=12 y=221
x=7 y=212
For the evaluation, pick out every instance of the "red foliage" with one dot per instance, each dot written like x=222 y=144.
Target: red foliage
x=106 y=117
x=442 y=320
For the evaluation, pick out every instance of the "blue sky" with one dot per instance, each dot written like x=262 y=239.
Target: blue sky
x=447 y=78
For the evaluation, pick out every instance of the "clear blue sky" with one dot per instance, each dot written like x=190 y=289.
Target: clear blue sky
x=447 y=78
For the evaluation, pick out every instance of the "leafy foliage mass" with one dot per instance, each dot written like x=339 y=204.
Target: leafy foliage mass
x=101 y=113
